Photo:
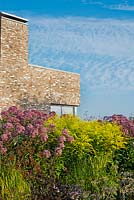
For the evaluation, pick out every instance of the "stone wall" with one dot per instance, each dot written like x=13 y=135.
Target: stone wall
x=12 y=85
x=26 y=85
x=38 y=87
x=57 y=87
x=13 y=42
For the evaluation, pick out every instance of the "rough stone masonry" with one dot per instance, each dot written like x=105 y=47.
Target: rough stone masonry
x=28 y=85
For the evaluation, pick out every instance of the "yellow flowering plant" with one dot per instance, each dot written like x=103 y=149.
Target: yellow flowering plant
x=90 y=155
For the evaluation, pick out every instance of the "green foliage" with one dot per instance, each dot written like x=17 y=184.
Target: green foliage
x=91 y=137
x=51 y=152
x=125 y=156
x=89 y=159
x=125 y=159
x=34 y=147
x=12 y=184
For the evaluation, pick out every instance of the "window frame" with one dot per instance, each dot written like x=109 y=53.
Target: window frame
x=61 y=106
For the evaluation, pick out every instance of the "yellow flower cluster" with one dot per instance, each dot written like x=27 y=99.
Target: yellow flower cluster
x=91 y=137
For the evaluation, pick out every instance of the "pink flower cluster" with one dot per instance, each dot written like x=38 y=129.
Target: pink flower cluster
x=65 y=137
x=69 y=138
x=46 y=153
x=127 y=125
x=16 y=122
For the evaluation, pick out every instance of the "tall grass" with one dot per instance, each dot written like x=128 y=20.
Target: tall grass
x=12 y=184
x=97 y=175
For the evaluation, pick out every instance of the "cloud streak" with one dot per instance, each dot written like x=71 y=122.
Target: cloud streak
x=120 y=7
x=102 y=51
x=123 y=5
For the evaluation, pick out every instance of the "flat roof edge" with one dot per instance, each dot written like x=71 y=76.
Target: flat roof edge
x=42 y=67
x=14 y=17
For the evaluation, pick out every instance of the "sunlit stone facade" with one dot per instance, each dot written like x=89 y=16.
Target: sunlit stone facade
x=27 y=85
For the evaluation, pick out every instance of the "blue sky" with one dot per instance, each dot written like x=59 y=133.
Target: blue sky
x=92 y=37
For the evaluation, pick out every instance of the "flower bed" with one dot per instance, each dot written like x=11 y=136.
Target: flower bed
x=51 y=157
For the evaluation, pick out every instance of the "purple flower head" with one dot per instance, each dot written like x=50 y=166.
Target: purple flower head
x=65 y=132
x=43 y=130
x=33 y=134
x=8 y=126
x=70 y=139
x=52 y=114
x=19 y=113
x=58 y=151
x=44 y=137
x=4 y=114
x=34 y=113
x=46 y=153
x=61 y=145
x=28 y=115
x=52 y=125
x=38 y=126
x=9 y=135
x=39 y=121
x=13 y=120
x=125 y=124
x=20 y=129
x=4 y=137
x=13 y=109
x=45 y=117
x=29 y=129
x=62 y=138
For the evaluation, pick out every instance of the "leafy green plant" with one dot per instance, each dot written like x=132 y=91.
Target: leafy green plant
x=12 y=184
x=53 y=153
x=89 y=160
x=97 y=174
x=34 y=147
x=91 y=136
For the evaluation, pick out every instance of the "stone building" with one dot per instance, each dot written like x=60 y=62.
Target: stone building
x=30 y=86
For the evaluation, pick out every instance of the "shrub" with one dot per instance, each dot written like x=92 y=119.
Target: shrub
x=61 y=153
x=90 y=137
x=34 y=147
x=24 y=138
x=125 y=156
x=89 y=160
x=126 y=125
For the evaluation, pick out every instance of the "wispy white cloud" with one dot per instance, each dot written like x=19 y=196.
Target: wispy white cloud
x=102 y=51
x=118 y=5
x=92 y=2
